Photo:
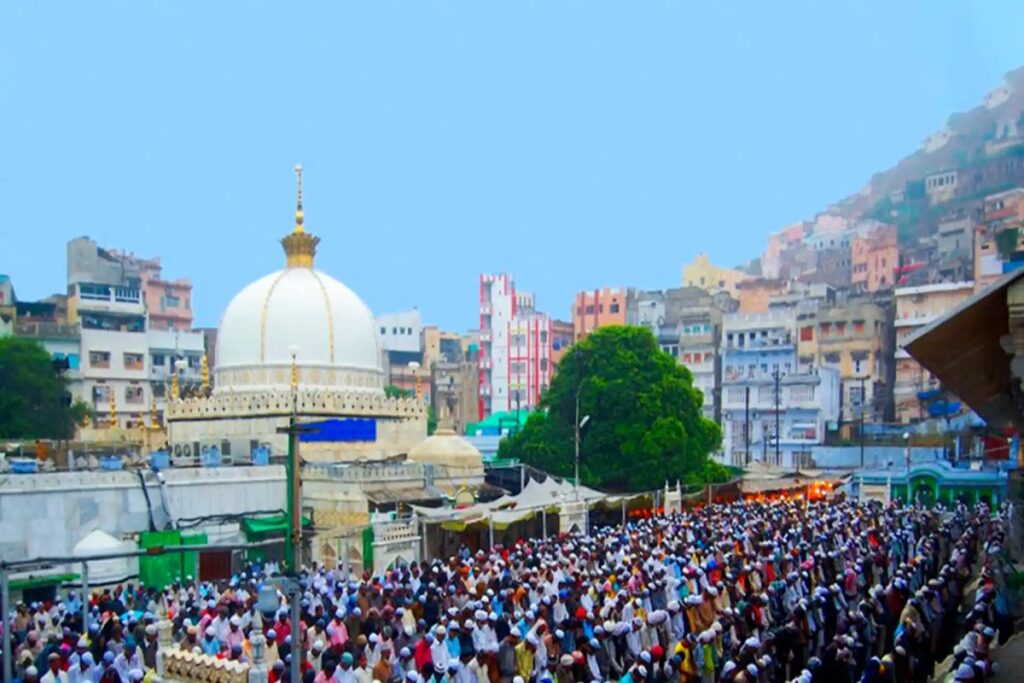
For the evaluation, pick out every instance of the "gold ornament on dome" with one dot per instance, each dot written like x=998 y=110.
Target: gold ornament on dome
x=299 y=245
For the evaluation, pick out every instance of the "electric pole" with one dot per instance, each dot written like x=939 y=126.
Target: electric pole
x=863 y=398
x=746 y=424
x=777 y=377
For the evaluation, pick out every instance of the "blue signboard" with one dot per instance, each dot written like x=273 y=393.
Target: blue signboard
x=346 y=430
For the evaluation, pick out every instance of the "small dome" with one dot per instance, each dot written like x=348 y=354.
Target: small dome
x=446 y=448
x=301 y=309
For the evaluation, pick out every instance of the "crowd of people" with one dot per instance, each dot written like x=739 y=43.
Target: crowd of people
x=741 y=593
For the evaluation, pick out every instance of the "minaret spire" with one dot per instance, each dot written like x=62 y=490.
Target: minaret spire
x=298 y=205
x=299 y=245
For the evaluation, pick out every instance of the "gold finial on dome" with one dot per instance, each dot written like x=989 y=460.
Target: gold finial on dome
x=298 y=204
x=299 y=245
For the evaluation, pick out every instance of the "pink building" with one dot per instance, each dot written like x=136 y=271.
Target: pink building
x=515 y=347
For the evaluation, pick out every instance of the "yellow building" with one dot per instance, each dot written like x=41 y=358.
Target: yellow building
x=706 y=275
x=854 y=339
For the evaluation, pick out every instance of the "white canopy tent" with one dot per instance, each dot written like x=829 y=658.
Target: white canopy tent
x=105 y=572
x=537 y=496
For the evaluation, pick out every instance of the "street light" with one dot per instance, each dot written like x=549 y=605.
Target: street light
x=413 y=367
x=580 y=423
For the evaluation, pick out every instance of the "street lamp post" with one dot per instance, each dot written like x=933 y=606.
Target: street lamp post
x=861 y=427
x=579 y=424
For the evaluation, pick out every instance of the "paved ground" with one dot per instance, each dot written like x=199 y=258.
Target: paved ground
x=1011 y=659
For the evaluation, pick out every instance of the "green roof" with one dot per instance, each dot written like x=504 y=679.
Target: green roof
x=41 y=581
x=496 y=421
x=269 y=525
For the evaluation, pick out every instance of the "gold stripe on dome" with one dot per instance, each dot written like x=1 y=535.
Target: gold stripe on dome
x=330 y=314
x=263 y=314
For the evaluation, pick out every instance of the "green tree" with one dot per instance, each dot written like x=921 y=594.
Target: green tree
x=391 y=391
x=33 y=398
x=645 y=425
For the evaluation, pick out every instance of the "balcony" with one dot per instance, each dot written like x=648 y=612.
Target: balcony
x=486 y=309
x=486 y=364
x=918 y=320
x=46 y=330
x=109 y=299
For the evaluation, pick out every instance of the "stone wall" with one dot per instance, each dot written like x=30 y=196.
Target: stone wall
x=47 y=514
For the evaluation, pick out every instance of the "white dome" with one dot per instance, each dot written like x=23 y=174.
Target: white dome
x=332 y=331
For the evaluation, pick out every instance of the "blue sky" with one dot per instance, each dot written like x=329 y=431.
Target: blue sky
x=572 y=144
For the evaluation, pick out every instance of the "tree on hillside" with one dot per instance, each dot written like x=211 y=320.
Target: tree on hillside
x=643 y=421
x=34 y=399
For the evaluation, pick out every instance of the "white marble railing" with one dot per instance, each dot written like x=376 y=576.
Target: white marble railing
x=307 y=402
x=188 y=667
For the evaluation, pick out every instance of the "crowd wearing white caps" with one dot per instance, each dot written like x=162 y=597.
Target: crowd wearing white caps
x=741 y=593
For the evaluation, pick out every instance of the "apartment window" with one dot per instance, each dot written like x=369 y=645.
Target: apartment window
x=99 y=359
x=394 y=330
x=735 y=394
x=687 y=358
x=840 y=328
x=384 y=330
x=857 y=367
x=613 y=308
x=543 y=336
x=159 y=389
x=543 y=364
x=807 y=333
x=133 y=394
x=579 y=310
x=766 y=393
x=826 y=329
x=134 y=361
x=858 y=326
x=600 y=308
x=803 y=392
x=590 y=309
x=159 y=360
x=169 y=302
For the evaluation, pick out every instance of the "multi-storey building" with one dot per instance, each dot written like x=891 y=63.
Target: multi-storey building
x=454 y=392
x=515 y=347
x=999 y=237
x=915 y=308
x=598 y=308
x=873 y=259
x=563 y=335
x=779 y=243
x=855 y=339
x=705 y=275
x=173 y=352
x=110 y=295
x=687 y=323
x=168 y=302
x=771 y=410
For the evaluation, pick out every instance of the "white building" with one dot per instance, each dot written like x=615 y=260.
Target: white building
x=401 y=332
x=515 y=347
x=123 y=365
x=786 y=410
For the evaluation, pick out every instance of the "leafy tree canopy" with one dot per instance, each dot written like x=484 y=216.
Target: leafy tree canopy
x=33 y=399
x=644 y=426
